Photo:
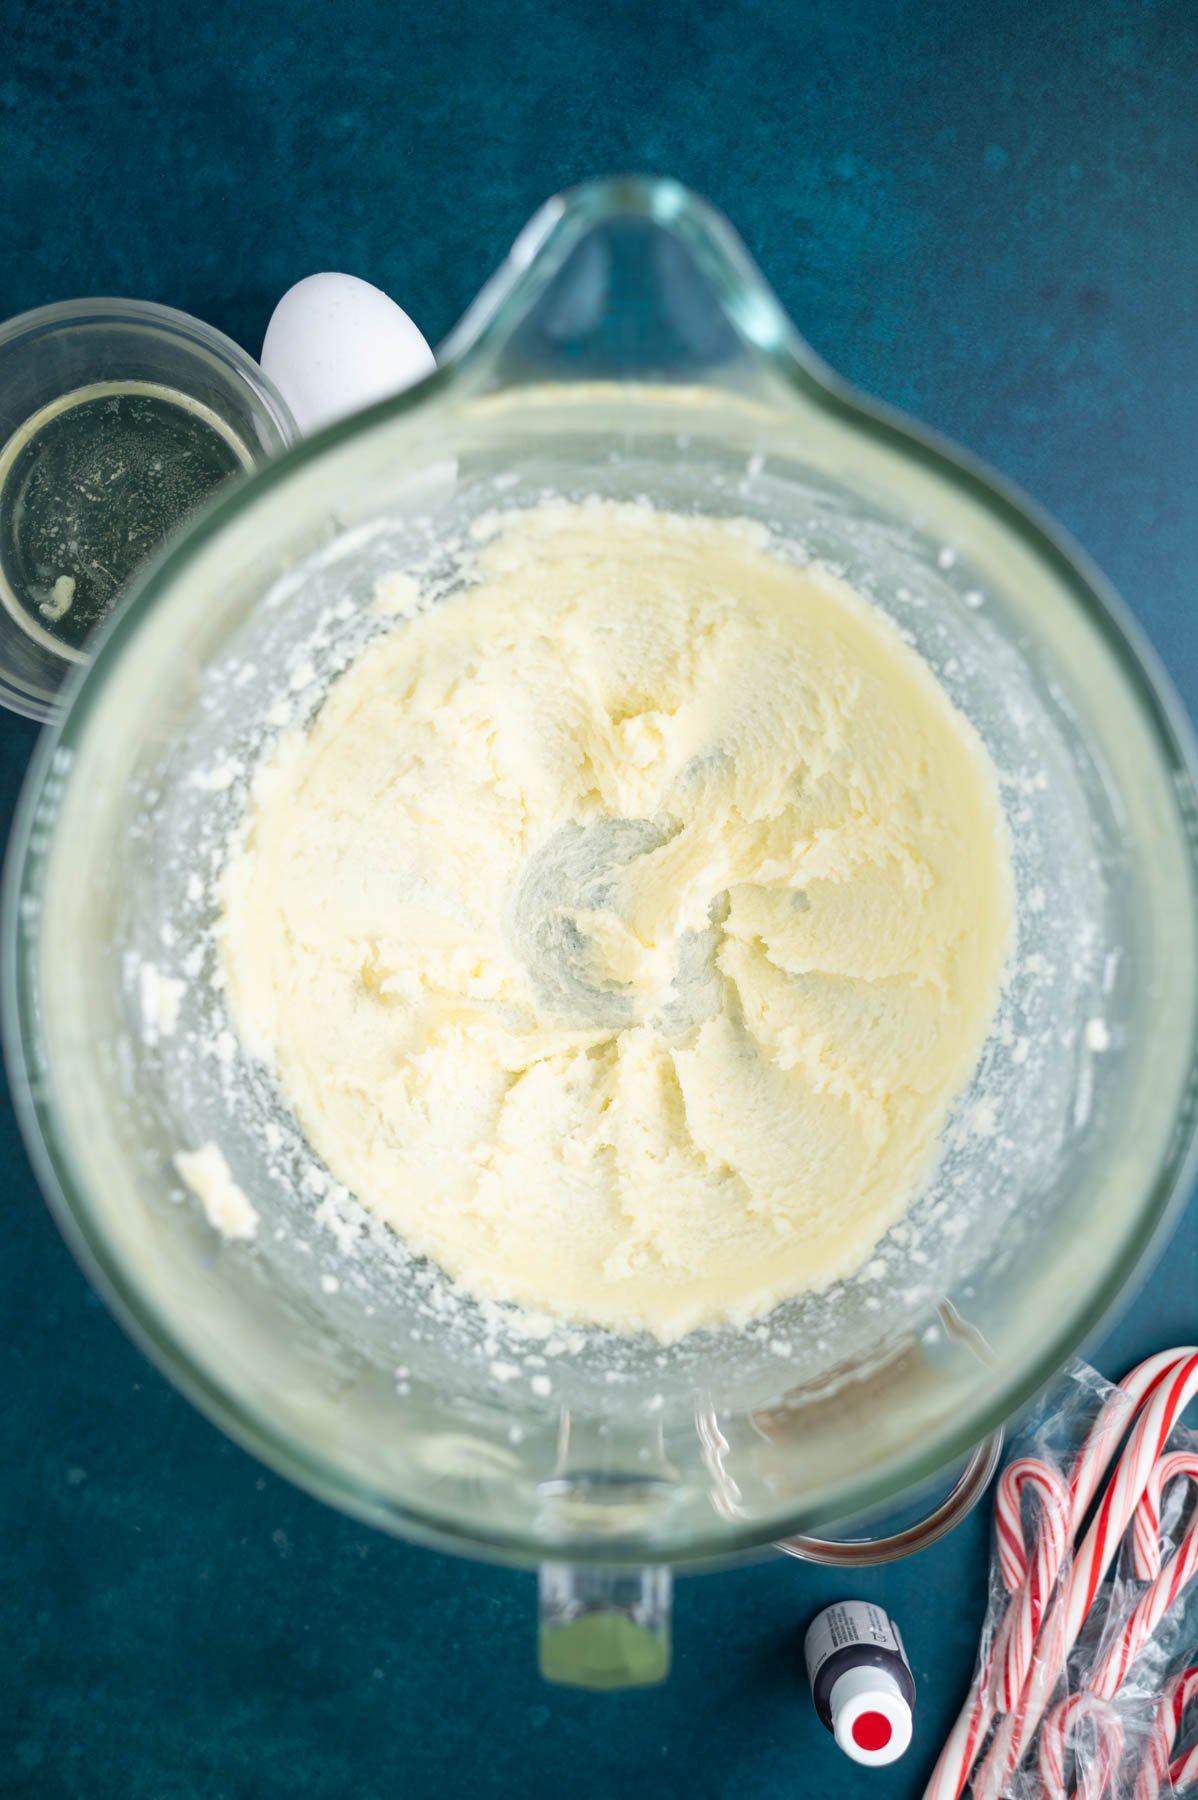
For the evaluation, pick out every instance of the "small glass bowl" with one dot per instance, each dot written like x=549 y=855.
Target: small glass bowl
x=54 y=351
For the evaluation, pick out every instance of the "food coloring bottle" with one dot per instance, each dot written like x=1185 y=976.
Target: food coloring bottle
x=861 y=1681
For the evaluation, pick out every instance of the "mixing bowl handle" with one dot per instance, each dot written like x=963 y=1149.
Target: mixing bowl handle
x=605 y=1627
x=863 y=1552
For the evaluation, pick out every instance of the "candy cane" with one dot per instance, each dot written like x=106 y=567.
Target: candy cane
x=1173 y=1574
x=1170 y=1395
x=1004 y=1685
x=977 y=1715
x=1155 y=1381
x=996 y=1684
x=1115 y=1415
x=966 y=1738
x=1159 y=1391
x=1183 y=1774
x=1147 y=1546
x=1181 y=1692
x=1059 y=1731
x=1030 y=1579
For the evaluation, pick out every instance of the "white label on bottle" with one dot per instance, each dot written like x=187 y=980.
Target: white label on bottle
x=850 y=1622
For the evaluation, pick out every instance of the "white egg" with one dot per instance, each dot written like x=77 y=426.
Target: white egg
x=336 y=344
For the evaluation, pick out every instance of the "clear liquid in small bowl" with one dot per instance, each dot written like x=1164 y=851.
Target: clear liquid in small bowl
x=90 y=486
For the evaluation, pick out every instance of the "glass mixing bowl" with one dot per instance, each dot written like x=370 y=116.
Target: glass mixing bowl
x=626 y=348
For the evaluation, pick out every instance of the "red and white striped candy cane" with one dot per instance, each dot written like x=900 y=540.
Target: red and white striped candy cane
x=966 y=1738
x=1031 y=1579
x=992 y=1683
x=1159 y=1389
x=1108 y=1430
x=1148 y=1551
x=1172 y=1575
x=1183 y=1773
x=1181 y=1692
x=1096 y=1769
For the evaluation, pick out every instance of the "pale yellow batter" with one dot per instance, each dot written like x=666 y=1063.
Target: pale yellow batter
x=625 y=926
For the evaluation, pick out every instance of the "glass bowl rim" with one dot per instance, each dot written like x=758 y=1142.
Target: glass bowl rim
x=105 y=309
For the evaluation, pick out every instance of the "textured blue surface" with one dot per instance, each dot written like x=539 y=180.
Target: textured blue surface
x=987 y=214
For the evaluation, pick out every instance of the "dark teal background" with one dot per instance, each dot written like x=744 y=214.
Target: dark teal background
x=985 y=213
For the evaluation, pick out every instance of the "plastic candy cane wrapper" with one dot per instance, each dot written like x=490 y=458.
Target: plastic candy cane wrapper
x=1087 y=1677
x=1134 y=1662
